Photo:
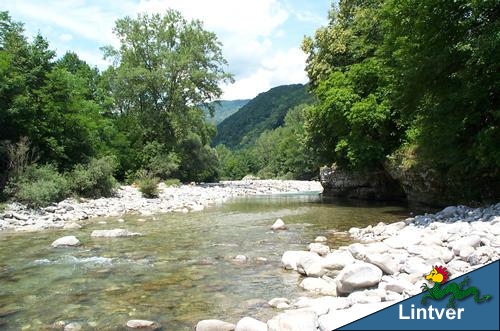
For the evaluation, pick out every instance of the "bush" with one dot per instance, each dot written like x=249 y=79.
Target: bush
x=172 y=182
x=95 y=179
x=149 y=187
x=38 y=186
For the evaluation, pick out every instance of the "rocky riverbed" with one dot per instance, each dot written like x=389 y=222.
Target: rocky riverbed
x=185 y=198
x=385 y=266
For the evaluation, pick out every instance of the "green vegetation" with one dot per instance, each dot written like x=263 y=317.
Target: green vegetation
x=408 y=84
x=265 y=112
x=149 y=187
x=63 y=121
x=222 y=109
x=39 y=185
x=95 y=179
x=417 y=78
x=280 y=153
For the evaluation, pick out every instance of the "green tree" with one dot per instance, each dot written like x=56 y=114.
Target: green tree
x=354 y=123
x=164 y=69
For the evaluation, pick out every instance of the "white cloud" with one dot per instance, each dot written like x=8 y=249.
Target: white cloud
x=284 y=67
x=244 y=18
x=254 y=33
x=66 y=37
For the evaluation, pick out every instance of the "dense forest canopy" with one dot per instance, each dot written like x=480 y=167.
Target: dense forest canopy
x=411 y=82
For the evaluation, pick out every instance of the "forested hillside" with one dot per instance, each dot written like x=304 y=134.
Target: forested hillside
x=222 y=109
x=265 y=112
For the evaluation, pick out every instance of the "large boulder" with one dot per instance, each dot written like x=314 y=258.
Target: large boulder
x=318 y=248
x=386 y=262
x=319 y=285
x=358 y=276
x=311 y=265
x=67 y=241
x=290 y=259
x=337 y=260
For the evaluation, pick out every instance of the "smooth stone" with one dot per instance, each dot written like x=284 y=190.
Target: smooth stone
x=278 y=225
x=143 y=324
x=250 y=324
x=67 y=241
x=320 y=239
x=280 y=303
x=319 y=285
x=473 y=241
x=240 y=258
x=385 y=262
x=290 y=259
x=214 y=325
x=337 y=260
x=294 y=321
x=311 y=265
x=73 y=326
x=318 y=248
x=396 y=285
x=358 y=276
x=339 y=318
x=114 y=233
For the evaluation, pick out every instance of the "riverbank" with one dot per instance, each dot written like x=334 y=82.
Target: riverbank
x=70 y=213
x=387 y=264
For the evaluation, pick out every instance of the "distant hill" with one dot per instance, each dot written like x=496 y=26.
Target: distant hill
x=224 y=109
x=265 y=112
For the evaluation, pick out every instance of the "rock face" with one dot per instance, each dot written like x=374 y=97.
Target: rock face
x=114 y=233
x=374 y=185
x=214 y=325
x=67 y=241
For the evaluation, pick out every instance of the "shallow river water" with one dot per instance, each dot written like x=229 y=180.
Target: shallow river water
x=181 y=270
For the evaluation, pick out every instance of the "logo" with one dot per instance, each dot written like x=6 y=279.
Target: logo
x=439 y=275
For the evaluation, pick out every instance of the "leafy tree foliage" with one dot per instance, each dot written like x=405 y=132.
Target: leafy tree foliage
x=354 y=123
x=279 y=153
x=408 y=77
x=164 y=69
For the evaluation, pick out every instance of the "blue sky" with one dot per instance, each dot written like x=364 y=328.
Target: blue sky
x=261 y=38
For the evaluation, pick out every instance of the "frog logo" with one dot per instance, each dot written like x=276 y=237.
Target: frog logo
x=439 y=275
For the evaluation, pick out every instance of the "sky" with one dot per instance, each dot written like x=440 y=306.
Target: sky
x=261 y=38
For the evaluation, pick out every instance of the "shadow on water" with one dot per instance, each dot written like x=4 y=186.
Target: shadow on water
x=181 y=270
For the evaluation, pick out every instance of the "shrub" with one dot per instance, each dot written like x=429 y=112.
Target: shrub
x=38 y=186
x=149 y=187
x=173 y=182
x=95 y=179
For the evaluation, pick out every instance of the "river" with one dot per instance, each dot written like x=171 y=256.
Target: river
x=181 y=270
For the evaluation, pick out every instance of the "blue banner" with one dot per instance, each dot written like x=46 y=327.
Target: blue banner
x=467 y=314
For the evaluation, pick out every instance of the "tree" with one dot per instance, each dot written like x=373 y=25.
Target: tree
x=354 y=123
x=165 y=68
x=445 y=56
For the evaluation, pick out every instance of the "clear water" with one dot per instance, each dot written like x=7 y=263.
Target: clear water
x=180 y=271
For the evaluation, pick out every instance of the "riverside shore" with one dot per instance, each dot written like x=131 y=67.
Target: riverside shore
x=70 y=213
x=387 y=264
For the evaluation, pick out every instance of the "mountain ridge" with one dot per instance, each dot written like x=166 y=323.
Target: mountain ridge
x=264 y=112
